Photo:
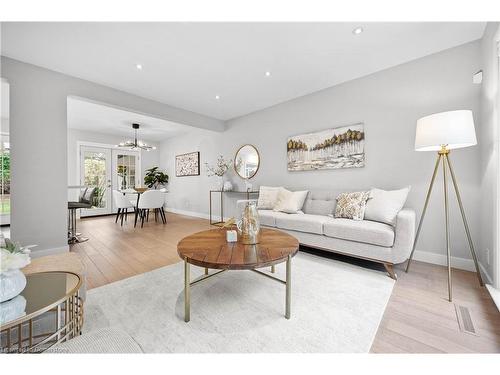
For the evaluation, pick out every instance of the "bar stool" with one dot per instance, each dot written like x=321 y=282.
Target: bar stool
x=85 y=201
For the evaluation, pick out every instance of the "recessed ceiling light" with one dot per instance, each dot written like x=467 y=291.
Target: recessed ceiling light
x=217 y=97
x=357 y=30
x=268 y=74
x=138 y=66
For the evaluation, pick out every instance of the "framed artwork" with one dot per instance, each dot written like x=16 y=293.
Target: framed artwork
x=187 y=164
x=335 y=148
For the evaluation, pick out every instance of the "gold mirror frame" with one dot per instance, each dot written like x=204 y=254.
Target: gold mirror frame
x=258 y=161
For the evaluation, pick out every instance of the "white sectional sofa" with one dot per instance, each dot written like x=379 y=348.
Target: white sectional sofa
x=371 y=240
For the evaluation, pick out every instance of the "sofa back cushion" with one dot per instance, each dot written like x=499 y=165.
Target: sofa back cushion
x=320 y=202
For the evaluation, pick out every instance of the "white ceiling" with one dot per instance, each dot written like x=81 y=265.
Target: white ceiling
x=95 y=117
x=188 y=64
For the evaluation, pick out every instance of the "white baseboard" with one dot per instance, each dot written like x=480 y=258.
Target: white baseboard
x=41 y=253
x=486 y=275
x=441 y=259
x=495 y=295
x=187 y=213
x=456 y=262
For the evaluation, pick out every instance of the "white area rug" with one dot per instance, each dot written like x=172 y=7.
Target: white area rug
x=336 y=307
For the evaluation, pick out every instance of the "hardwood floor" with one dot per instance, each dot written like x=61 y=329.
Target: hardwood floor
x=114 y=252
x=418 y=318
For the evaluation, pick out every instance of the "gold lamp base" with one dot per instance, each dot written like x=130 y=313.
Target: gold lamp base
x=444 y=158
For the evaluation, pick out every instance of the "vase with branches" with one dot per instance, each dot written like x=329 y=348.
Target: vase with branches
x=219 y=169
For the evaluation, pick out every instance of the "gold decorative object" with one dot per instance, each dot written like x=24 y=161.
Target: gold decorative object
x=249 y=225
x=229 y=223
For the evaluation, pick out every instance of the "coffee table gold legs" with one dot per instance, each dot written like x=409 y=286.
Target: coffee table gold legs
x=188 y=283
x=187 y=297
x=288 y=286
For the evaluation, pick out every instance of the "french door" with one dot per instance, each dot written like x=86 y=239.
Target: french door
x=126 y=169
x=95 y=172
x=107 y=169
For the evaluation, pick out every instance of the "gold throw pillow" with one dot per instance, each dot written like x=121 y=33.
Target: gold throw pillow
x=352 y=205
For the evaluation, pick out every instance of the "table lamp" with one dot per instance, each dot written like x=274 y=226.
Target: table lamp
x=443 y=132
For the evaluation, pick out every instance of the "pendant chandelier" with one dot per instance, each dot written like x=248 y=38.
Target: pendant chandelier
x=135 y=144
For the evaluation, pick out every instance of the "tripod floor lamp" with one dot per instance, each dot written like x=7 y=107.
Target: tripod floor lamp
x=443 y=132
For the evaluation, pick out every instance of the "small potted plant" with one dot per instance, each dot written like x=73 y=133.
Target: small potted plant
x=155 y=178
x=13 y=258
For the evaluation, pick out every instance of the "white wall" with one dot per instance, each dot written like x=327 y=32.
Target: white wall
x=38 y=129
x=389 y=103
x=488 y=138
x=148 y=158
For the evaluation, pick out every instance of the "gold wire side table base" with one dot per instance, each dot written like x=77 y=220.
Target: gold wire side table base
x=41 y=328
x=67 y=323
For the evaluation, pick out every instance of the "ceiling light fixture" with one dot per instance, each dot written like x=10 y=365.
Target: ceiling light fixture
x=138 y=66
x=357 y=30
x=135 y=144
x=268 y=74
x=217 y=97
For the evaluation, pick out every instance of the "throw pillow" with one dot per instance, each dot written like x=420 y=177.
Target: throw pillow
x=352 y=205
x=384 y=205
x=290 y=202
x=267 y=197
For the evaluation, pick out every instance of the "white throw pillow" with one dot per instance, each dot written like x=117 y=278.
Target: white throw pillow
x=384 y=205
x=268 y=197
x=290 y=202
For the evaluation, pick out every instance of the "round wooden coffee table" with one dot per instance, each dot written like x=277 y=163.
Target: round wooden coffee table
x=209 y=249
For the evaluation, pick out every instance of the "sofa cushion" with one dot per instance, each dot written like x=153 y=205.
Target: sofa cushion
x=321 y=202
x=302 y=222
x=366 y=231
x=268 y=217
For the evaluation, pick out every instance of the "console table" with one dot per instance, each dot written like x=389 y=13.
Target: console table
x=222 y=193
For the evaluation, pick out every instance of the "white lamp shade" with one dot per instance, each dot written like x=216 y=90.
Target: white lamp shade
x=453 y=129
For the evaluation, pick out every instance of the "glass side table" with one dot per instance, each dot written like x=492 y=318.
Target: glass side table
x=48 y=311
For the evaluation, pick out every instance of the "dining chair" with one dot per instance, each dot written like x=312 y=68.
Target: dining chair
x=151 y=200
x=123 y=204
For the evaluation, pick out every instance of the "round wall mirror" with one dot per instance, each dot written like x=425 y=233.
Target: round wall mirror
x=247 y=161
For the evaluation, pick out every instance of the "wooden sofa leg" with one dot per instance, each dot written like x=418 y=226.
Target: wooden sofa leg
x=390 y=270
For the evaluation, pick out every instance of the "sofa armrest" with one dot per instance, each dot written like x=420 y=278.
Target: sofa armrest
x=404 y=235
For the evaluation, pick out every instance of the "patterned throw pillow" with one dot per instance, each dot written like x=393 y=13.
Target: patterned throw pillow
x=352 y=205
